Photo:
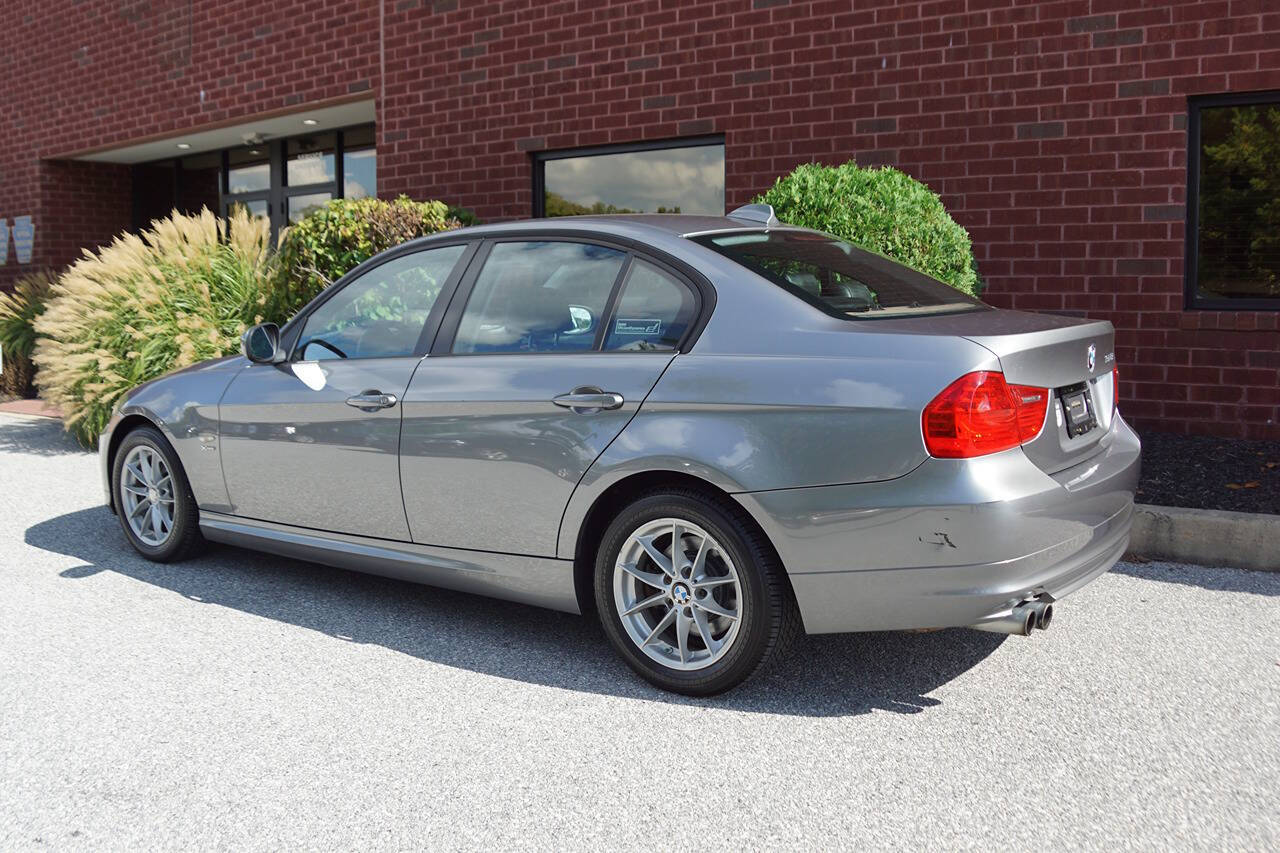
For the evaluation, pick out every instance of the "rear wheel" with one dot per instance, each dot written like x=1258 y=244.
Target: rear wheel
x=690 y=595
x=153 y=498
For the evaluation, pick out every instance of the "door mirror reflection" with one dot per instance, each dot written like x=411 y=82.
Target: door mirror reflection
x=581 y=319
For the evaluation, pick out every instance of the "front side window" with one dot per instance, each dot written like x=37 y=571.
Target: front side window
x=382 y=313
x=682 y=177
x=838 y=277
x=1234 y=204
x=655 y=310
x=539 y=296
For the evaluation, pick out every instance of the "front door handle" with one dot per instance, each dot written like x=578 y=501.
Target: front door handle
x=371 y=401
x=588 y=399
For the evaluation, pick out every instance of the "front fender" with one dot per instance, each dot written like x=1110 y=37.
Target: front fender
x=184 y=407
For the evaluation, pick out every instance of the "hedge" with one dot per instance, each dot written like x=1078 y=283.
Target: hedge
x=881 y=209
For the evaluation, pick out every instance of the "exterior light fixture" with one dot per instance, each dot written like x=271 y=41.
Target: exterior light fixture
x=184 y=145
x=310 y=122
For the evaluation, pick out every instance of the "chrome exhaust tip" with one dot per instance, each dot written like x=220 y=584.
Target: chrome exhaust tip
x=1043 y=612
x=1020 y=621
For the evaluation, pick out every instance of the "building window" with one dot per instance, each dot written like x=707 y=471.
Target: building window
x=676 y=176
x=281 y=180
x=1233 y=202
x=359 y=163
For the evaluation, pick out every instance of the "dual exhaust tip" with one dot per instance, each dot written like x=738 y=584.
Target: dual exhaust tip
x=1021 y=620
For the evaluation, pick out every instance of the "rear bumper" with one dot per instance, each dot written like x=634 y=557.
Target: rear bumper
x=954 y=542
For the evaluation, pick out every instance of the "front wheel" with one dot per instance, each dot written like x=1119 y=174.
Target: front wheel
x=690 y=594
x=153 y=498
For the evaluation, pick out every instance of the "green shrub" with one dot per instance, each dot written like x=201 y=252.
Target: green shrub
x=883 y=210
x=466 y=218
x=334 y=239
x=178 y=293
x=18 y=311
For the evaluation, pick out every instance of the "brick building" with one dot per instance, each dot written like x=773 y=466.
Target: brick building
x=1071 y=138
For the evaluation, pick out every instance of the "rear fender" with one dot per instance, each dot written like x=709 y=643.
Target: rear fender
x=752 y=424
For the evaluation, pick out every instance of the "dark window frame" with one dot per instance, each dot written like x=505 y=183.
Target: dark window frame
x=703 y=293
x=540 y=159
x=1193 y=301
x=292 y=332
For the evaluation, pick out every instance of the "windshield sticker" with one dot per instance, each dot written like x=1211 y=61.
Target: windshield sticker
x=637 y=327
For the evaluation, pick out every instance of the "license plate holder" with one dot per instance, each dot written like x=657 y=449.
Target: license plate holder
x=1077 y=409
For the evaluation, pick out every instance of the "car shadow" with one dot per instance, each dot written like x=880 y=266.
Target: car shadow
x=829 y=675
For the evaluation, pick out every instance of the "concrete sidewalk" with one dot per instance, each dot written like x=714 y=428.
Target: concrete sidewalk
x=38 y=408
x=242 y=701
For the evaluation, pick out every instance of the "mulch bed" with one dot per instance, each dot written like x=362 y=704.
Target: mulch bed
x=1210 y=473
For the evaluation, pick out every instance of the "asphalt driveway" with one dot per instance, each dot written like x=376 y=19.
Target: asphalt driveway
x=244 y=701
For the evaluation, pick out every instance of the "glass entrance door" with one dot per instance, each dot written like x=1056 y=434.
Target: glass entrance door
x=286 y=179
x=280 y=180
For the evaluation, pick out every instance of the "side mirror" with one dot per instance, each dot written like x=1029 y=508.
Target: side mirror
x=261 y=344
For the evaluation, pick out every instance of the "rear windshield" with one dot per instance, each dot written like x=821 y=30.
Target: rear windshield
x=838 y=277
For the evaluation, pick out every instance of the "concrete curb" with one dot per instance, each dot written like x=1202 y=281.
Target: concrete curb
x=1207 y=537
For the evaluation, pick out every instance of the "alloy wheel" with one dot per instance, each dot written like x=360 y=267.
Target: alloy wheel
x=147 y=496
x=678 y=594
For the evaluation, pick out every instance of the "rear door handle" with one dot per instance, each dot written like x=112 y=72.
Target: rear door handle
x=371 y=401
x=584 y=400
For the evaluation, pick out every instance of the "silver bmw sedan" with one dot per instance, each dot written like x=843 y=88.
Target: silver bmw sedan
x=714 y=432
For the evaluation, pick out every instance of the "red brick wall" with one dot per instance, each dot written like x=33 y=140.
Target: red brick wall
x=85 y=74
x=1054 y=131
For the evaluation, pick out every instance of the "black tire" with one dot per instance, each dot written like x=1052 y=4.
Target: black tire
x=184 y=538
x=769 y=617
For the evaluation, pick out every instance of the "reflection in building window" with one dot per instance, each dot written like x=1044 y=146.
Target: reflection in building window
x=683 y=178
x=309 y=159
x=256 y=207
x=302 y=205
x=249 y=170
x=359 y=163
x=1237 y=202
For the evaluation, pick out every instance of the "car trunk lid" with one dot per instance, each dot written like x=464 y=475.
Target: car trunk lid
x=1071 y=357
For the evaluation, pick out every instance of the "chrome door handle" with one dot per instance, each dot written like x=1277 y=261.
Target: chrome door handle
x=371 y=401
x=584 y=400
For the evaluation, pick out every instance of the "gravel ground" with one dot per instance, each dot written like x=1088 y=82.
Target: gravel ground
x=243 y=701
x=1203 y=472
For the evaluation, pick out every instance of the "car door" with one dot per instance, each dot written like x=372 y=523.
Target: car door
x=314 y=441
x=549 y=348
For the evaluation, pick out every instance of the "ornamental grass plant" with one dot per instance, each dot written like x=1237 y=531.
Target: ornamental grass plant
x=180 y=292
x=18 y=312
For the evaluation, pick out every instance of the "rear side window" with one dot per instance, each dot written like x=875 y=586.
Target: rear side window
x=655 y=310
x=838 y=277
x=539 y=296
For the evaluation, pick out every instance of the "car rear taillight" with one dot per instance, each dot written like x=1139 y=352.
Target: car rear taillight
x=980 y=413
x=1115 y=389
